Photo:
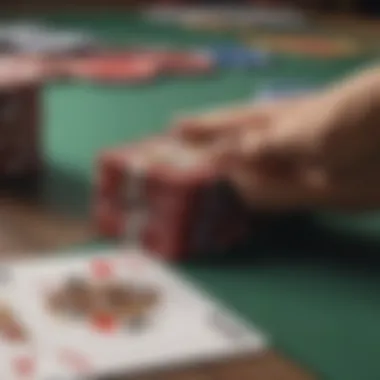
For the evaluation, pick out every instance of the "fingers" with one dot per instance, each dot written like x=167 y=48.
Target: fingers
x=300 y=152
x=282 y=147
x=274 y=193
x=283 y=186
x=272 y=168
x=213 y=125
x=273 y=153
x=244 y=150
x=269 y=185
x=209 y=126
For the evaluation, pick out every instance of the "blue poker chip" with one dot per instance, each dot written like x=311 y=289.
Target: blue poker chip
x=239 y=57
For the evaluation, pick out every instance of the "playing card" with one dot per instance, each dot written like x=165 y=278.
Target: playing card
x=5 y=275
x=121 y=312
x=21 y=356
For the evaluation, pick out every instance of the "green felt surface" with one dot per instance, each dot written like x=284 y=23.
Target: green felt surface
x=320 y=308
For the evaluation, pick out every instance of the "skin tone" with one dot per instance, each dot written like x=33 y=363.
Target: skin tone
x=315 y=151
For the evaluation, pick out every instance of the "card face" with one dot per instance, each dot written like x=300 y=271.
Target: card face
x=115 y=314
x=6 y=275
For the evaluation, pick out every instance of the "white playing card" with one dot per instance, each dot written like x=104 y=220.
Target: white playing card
x=27 y=360
x=183 y=327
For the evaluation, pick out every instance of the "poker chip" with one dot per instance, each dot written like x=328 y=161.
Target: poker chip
x=111 y=69
x=187 y=62
x=135 y=66
x=172 y=61
x=239 y=57
x=21 y=70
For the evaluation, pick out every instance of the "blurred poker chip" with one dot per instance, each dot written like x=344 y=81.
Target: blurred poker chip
x=19 y=70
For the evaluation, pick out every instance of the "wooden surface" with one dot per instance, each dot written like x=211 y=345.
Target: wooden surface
x=28 y=229
x=27 y=226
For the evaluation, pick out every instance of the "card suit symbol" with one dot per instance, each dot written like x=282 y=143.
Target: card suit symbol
x=101 y=269
x=24 y=366
x=105 y=323
x=75 y=361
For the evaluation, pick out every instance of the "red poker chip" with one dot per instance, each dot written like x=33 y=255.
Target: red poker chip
x=177 y=61
x=187 y=63
x=112 y=69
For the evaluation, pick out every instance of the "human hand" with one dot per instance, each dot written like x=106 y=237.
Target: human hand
x=316 y=151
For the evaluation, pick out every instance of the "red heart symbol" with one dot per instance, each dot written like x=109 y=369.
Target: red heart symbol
x=24 y=366
x=104 y=323
x=101 y=269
